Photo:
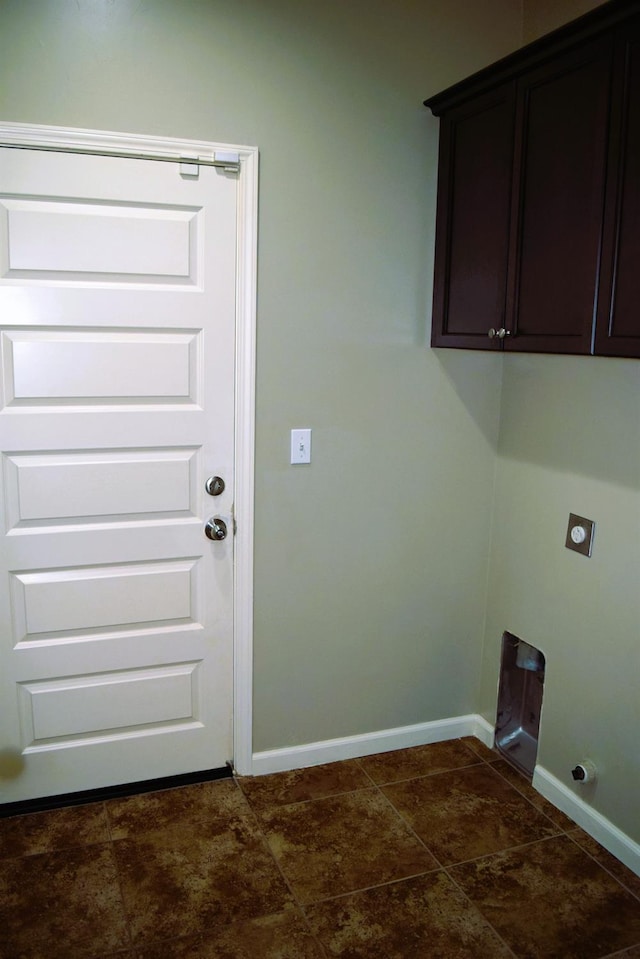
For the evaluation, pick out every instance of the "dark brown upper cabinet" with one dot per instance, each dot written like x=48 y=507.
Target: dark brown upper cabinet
x=472 y=227
x=559 y=183
x=618 y=314
x=538 y=222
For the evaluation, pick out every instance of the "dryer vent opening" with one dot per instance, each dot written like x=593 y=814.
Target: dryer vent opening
x=520 y=691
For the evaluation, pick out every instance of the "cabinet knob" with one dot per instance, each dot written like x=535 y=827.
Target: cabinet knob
x=501 y=333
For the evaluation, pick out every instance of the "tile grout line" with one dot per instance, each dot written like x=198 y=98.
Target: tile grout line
x=65 y=852
x=603 y=867
x=517 y=848
x=379 y=885
x=479 y=911
x=408 y=826
x=444 y=868
x=500 y=852
x=490 y=764
x=351 y=892
x=567 y=832
x=252 y=816
x=440 y=867
x=456 y=769
x=125 y=912
x=265 y=842
x=530 y=801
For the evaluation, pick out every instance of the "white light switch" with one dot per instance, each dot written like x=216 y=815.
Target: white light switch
x=300 y=446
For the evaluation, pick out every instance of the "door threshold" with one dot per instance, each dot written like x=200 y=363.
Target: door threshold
x=119 y=791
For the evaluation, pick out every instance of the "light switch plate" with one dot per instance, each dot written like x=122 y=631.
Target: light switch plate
x=300 y=446
x=580 y=534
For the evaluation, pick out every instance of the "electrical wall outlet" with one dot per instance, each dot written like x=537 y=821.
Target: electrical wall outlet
x=580 y=534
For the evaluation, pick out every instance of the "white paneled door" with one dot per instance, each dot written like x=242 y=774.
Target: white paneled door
x=117 y=326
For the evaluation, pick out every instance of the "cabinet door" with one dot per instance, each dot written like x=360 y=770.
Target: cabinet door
x=559 y=172
x=618 y=322
x=472 y=228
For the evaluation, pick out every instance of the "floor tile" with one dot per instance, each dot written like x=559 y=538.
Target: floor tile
x=468 y=813
x=60 y=905
x=209 y=802
x=606 y=860
x=55 y=829
x=180 y=880
x=337 y=845
x=523 y=786
x=418 y=761
x=282 y=936
x=316 y=782
x=551 y=900
x=198 y=869
x=413 y=919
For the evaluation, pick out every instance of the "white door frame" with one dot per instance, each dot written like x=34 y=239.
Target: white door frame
x=66 y=138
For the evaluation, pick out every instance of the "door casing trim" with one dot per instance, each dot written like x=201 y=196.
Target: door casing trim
x=244 y=427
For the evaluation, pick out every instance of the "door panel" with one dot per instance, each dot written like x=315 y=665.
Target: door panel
x=82 y=367
x=95 y=598
x=109 y=240
x=472 y=226
x=117 y=298
x=58 y=488
x=87 y=705
x=560 y=169
x=618 y=323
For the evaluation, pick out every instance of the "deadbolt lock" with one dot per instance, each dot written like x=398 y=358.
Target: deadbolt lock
x=214 y=485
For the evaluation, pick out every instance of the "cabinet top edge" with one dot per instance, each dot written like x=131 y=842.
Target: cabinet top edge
x=606 y=17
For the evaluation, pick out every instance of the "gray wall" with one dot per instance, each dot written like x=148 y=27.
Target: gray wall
x=570 y=443
x=541 y=16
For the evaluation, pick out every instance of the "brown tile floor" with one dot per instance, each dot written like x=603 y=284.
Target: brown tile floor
x=436 y=852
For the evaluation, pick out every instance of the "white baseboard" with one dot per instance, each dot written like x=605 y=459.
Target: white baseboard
x=484 y=731
x=601 y=829
x=366 y=744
